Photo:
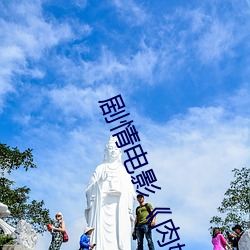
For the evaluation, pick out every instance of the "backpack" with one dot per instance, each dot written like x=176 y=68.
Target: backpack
x=147 y=207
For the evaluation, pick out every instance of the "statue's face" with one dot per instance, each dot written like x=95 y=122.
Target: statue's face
x=113 y=151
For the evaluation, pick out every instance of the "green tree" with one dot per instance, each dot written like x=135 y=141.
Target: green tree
x=17 y=199
x=235 y=206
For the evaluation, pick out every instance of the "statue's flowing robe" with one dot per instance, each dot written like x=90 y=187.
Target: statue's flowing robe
x=110 y=198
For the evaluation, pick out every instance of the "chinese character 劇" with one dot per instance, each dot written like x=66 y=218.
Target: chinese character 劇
x=112 y=106
x=115 y=101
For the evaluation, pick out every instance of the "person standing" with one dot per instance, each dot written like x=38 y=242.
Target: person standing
x=56 y=231
x=85 y=239
x=238 y=230
x=141 y=225
x=218 y=240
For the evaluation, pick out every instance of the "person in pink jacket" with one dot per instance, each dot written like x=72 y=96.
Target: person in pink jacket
x=218 y=240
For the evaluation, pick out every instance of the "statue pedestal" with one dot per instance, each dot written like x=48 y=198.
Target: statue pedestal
x=13 y=247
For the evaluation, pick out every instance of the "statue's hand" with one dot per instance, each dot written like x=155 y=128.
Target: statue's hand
x=90 y=204
x=132 y=217
x=90 y=201
x=104 y=175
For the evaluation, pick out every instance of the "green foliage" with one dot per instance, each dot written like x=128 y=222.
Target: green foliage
x=11 y=159
x=6 y=240
x=17 y=199
x=235 y=206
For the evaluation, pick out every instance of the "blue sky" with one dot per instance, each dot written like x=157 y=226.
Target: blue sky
x=182 y=68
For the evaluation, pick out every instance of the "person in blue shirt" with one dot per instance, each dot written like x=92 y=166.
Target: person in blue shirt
x=84 y=240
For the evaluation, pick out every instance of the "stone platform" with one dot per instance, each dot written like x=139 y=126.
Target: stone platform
x=12 y=247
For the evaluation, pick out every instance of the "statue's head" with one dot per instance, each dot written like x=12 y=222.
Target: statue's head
x=112 y=152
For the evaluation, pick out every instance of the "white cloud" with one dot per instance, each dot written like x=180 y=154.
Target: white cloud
x=217 y=42
x=143 y=64
x=131 y=12
x=198 y=19
x=124 y=70
x=199 y=33
x=80 y=3
x=240 y=100
x=105 y=69
x=25 y=35
x=82 y=102
x=32 y=33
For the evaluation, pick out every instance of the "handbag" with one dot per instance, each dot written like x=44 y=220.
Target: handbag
x=65 y=236
x=134 y=237
x=134 y=233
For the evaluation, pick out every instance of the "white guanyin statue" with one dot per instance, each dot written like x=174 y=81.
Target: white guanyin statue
x=110 y=198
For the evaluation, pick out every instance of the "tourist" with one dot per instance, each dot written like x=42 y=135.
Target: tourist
x=231 y=240
x=218 y=240
x=142 y=227
x=85 y=239
x=56 y=231
x=238 y=230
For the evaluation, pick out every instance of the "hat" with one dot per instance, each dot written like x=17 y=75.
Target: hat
x=139 y=195
x=237 y=227
x=59 y=213
x=88 y=229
